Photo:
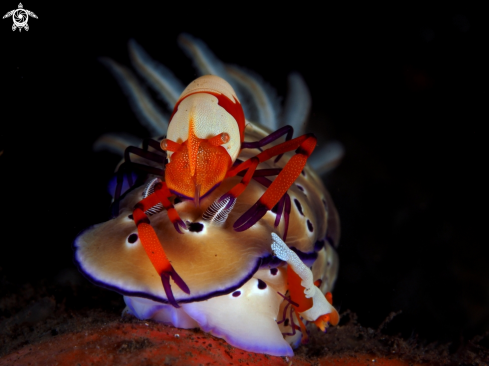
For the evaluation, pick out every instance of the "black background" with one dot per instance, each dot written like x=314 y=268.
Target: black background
x=399 y=87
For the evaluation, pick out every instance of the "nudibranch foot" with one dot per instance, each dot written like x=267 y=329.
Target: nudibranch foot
x=245 y=318
x=162 y=313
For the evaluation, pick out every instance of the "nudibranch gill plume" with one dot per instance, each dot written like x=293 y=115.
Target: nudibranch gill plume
x=218 y=224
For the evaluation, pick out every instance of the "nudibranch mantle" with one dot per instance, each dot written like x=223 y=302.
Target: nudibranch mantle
x=238 y=287
x=216 y=252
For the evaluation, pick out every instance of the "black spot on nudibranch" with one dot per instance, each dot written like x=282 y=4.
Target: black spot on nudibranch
x=286 y=323
x=130 y=217
x=236 y=293
x=300 y=187
x=309 y=226
x=132 y=238
x=177 y=200
x=262 y=285
x=274 y=271
x=195 y=227
x=299 y=206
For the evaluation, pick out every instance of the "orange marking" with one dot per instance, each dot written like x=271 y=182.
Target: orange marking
x=147 y=235
x=153 y=248
x=238 y=168
x=139 y=215
x=334 y=317
x=329 y=297
x=162 y=193
x=148 y=202
x=308 y=145
x=282 y=148
x=290 y=172
x=240 y=187
x=296 y=291
x=284 y=180
x=173 y=215
x=193 y=144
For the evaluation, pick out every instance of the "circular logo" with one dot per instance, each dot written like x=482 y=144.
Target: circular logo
x=20 y=17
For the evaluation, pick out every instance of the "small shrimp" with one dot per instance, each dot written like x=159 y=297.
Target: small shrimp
x=306 y=298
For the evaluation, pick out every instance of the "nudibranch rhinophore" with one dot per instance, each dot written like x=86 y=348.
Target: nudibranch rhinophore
x=218 y=225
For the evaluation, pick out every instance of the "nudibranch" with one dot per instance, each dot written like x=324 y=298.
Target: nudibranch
x=194 y=246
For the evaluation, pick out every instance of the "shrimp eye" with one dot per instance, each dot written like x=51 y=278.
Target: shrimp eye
x=220 y=139
x=169 y=145
x=225 y=137
x=164 y=144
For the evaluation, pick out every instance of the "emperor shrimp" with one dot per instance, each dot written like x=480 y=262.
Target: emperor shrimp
x=215 y=188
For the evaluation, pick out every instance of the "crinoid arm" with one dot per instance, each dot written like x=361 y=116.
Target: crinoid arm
x=297 y=103
x=146 y=110
x=158 y=76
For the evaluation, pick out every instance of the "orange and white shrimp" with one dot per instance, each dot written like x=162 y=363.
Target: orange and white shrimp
x=205 y=136
x=307 y=300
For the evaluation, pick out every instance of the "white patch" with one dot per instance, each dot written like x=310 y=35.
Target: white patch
x=321 y=306
x=283 y=252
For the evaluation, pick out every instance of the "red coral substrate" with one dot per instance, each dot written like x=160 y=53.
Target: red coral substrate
x=147 y=343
